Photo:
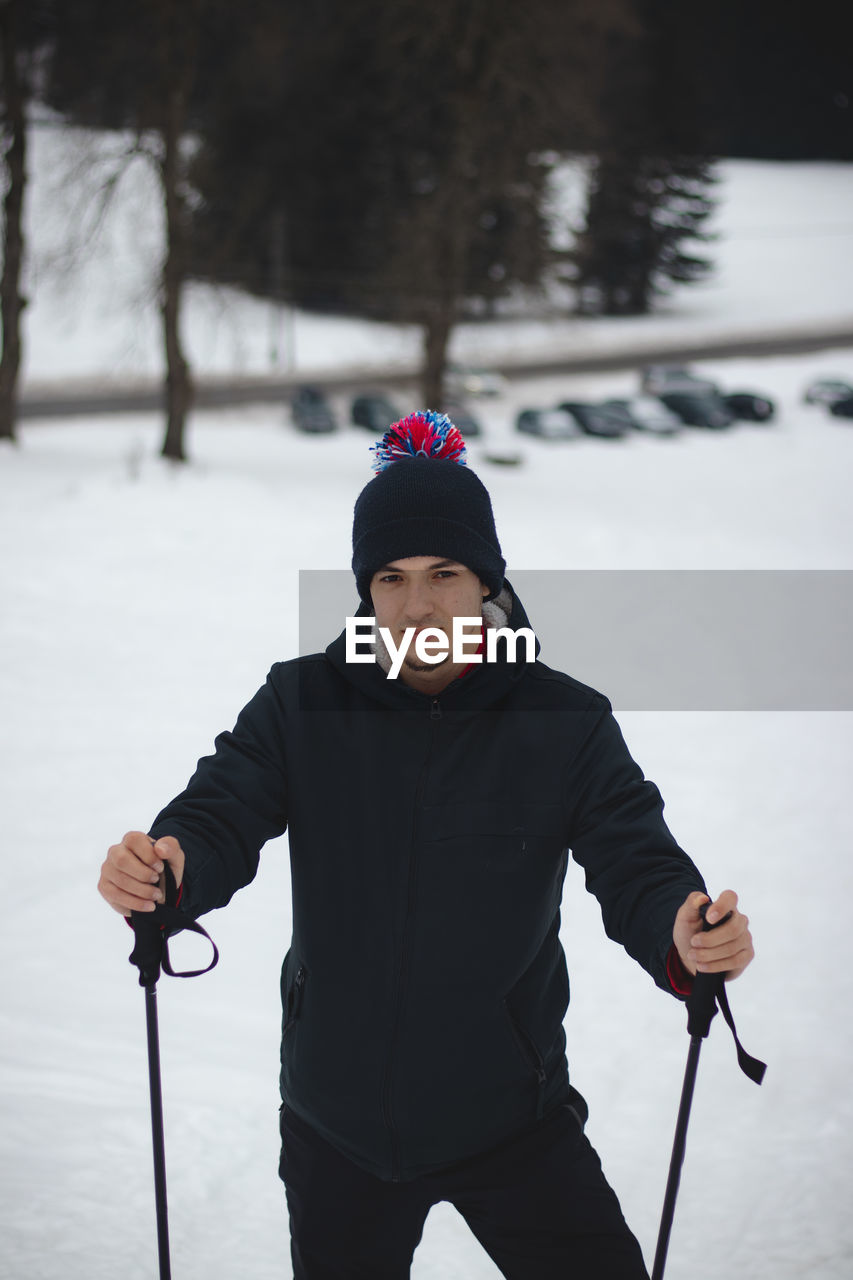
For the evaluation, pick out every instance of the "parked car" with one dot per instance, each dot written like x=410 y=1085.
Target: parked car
x=460 y=380
x=551 y=424
x=463 y=420
x=311 y=411
x=375 y=412
x=842 y=408
x=645 y=413
x=596 y=420
x=750 y=407
x=656 y=378
x=699 y=408
x=827 y=391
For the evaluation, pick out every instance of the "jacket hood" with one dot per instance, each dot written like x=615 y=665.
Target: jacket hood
x=481 y=686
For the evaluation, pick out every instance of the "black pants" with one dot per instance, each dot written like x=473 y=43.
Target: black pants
x=540 y=1207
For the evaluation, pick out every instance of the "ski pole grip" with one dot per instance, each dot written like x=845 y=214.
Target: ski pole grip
x=702 y=1001
x=150 y=953
x=147 y=952
x=152 y=931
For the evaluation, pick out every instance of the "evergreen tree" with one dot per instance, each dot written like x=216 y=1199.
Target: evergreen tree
x=651 y=187
x=642 y=209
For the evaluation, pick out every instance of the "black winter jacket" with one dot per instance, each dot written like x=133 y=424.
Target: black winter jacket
x=425 y=986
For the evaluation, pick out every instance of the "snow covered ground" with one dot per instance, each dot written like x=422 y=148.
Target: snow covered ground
x=144 y=605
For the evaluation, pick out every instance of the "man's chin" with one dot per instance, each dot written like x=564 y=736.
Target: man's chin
x=422 y=668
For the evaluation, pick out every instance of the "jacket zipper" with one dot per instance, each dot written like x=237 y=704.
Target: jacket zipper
x=405 y=950
x=295 y=998
x=533 y=1057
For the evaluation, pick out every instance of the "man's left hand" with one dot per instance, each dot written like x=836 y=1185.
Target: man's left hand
x=726 y=949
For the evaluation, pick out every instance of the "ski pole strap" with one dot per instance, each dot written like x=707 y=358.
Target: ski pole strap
x=152 y=932
x=750 y=1066
x=709 y=991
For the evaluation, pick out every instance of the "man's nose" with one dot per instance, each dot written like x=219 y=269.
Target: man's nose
x=419 y=601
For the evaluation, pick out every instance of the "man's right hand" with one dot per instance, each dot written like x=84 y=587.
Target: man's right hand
x=130 y=876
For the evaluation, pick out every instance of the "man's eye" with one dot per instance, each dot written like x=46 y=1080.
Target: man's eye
x=390 y=577
x=446 y=573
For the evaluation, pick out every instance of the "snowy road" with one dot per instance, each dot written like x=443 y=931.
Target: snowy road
x=64 y=399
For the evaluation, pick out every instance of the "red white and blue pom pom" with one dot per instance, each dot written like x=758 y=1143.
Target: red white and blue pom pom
x=426 y=434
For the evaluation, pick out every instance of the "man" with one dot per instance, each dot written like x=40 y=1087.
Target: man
x=430 y=818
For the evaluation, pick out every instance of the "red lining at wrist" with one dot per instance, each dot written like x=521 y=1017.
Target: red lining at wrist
x=681 y=980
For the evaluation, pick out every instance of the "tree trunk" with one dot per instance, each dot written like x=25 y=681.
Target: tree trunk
x=11 y=302
x=437 y=331
x=179 y=387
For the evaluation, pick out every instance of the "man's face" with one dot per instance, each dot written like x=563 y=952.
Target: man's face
x=421 y=592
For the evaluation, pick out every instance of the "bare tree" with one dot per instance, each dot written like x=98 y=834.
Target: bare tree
x=500 y=83
x=136 y=67
x=13 y=134
x=413 y=188
x=177 y=53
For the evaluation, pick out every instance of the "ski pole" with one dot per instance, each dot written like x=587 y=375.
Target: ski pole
x=157 y=1133
x=147 y=954
x=679 y=1144
x=708 y=989
x=150 y=954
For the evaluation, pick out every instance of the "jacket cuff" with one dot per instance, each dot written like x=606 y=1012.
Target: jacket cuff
x=680 y=979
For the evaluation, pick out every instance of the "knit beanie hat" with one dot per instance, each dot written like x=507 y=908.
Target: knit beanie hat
x=424 y=501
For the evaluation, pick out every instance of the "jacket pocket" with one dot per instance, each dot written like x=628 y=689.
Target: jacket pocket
x=293 y=1003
